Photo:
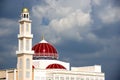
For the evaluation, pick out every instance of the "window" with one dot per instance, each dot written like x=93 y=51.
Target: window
x=67 y=78
x=92 y=79
x=21 y=29
x=27 y=44
x=56 y=78
x=27 y=15
x=82 y=78
x=77 y=78
x=27 y=27
x=21 y=44
x=101 y=78
x=61 y=78
x=20 y=74
x=20 y=63
x=96 y=78
x=87 y=78
x=24 y=15
x=49 y=78
x=27 y=74
x=72 y=78
x=27 y=63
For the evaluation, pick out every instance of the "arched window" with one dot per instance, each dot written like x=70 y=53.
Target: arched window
x=27 y=27
x=27 y=44
x=21 y=29
x=20 y=63
x=27 y=15
x=24 y=15
x=27 y=63
x=27 y=74
x=21 y=44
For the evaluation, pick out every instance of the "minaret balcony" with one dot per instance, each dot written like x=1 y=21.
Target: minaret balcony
x=24 y=52
x=25 y=20
x=25 y=36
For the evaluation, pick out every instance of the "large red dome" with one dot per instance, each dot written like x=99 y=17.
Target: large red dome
x=44 y=50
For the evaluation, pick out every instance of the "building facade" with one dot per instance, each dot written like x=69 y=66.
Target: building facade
x=41 y=62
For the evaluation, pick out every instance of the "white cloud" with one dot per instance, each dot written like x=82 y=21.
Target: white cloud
x=110 y=14
x=69 y=27
x=73 y=20
x=66 y=18
x=97 y=2
x=84 y=5
x=50 y=12
x=61 y=8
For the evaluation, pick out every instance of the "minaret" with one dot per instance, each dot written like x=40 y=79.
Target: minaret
x=24 y=53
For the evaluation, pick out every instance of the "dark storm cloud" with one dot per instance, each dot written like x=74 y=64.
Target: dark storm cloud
x=8 y=8
x=107 y=31
x=12 y=8
x=83 y=47
x=7 y=52
x=116 y=3
x=8 y=62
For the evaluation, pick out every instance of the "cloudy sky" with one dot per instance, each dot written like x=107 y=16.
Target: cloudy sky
x=85 y=32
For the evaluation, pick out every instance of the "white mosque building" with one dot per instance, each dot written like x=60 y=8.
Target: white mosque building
x=41 y=62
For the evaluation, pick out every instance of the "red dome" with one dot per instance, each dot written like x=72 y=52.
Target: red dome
x=55 y=66
x=44 y=50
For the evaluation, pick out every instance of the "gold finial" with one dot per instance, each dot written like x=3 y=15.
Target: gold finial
x=25 y=10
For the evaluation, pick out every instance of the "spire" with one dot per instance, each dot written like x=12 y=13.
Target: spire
x=43 y=38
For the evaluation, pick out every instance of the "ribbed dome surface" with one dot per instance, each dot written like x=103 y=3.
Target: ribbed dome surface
x=55 y=66
x=45 y=50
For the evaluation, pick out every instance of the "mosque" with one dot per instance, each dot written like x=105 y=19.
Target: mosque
x=41 y=62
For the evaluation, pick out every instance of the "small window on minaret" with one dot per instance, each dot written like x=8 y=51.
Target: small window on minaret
x=27 y=15
x=27 y=74
x=24 y=15
x=21 y=44
x=21 y=29
x=27 y=27
x=20 y=63
x=27 y=44
x=20 y=74
x=27 y=63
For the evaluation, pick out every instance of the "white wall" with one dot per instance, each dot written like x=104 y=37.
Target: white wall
x=42 y=64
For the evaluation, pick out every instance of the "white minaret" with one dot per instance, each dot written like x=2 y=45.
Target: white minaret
x=24 y=53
